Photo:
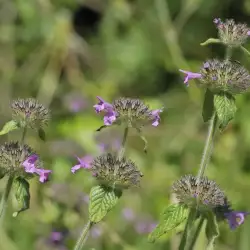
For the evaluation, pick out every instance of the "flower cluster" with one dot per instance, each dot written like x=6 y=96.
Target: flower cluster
x=205 y=195
x=231 y=33
x=21 y=161
x=221 y=76
x=28 y=112
x=132 y=112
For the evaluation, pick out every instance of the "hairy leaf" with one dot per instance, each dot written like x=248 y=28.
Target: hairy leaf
x=225 y=109
x=212 y=231
x=102 y=200
x=8 y=127
x=172 y=217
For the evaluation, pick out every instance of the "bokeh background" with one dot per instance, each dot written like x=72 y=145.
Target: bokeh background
x=65 y=53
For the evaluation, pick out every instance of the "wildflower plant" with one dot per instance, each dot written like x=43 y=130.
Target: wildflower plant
x=198 y=199
x=19 y=162
x=113 y=170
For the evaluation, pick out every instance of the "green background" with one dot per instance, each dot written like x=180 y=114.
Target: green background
x=65 y=53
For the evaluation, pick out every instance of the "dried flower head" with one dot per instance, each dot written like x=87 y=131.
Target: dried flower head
x=231 y=33
x=132 y=112
x=203 y=195
x=111 y=170
x=30 y=113
x=222 y=76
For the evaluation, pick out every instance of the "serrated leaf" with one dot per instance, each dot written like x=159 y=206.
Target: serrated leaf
x=171 y=218
x=208 y=106
x=41 y=134
x=22 y=194
x=212 y=231
x=225 y=109
x=102 y=200
x=9 y=126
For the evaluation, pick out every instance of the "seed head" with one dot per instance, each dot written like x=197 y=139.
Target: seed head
x=30 y=113
x=230 y=33
x=12 y=155
x=205 y=195
x=111 y=170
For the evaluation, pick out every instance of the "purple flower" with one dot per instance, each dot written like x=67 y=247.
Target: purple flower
x=128 y=214
x=84 y=163
x=190 y=75
x=30 y=167
x=235 y=218
x=156 y=116
x=56 y=236
x=109 y=117
x=29 y=163
x=248 y=33
x=145 y=227
x=102 y=105
x=44 y=174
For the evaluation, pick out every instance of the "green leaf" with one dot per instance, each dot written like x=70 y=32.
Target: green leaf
x=208 y=106
x=225 y=108
x=41 y=134
x=212 y=231
x=9 y=126
x=102 y=200
x=22 y=194
x=171 y=218
x=210 y=41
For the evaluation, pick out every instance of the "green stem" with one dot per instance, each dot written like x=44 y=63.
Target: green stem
x=229 y=52
x=83 y=237
x=23 y=135
x=196 y=234
x=5 y=196
x=188 y=226
x=125 y=135
x=208 y=147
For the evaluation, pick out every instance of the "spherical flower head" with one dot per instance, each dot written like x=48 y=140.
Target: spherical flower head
x=204 y=195
x=134 y=113
x=111 y=170
x=131 y=112
x=12 y=156
x=231 y=33
x=236 y=218
x=222 y=76
x=30 y=113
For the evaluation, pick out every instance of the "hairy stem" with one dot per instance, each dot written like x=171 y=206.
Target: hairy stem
x=83 y=237
x=208 y=147
x=5 y=196
x=196 y=234
x=125 y=135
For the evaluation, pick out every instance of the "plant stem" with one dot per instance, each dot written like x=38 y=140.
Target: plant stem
x=125 y=135
x=83 y=237
x=196 y=234
x=23 y=135
x=5 y=196
x=229 y=52
x=189 y=223
x=208 y=147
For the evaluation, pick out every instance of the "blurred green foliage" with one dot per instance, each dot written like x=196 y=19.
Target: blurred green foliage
x=65 y=53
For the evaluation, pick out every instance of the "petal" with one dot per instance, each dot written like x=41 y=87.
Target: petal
x=75 y=168
x=44 y=174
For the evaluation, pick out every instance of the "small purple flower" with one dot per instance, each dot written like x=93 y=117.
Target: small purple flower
x=156 y=115
x=56 y=236
x=44 y=174
x=190 y=75
x=109 y=117
x=248 y=33
x=236 y=218
x=30 y=167
x=29 y=163
x=84 y=163
x=128 y=214
x=145 y=227
x=102 y=105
